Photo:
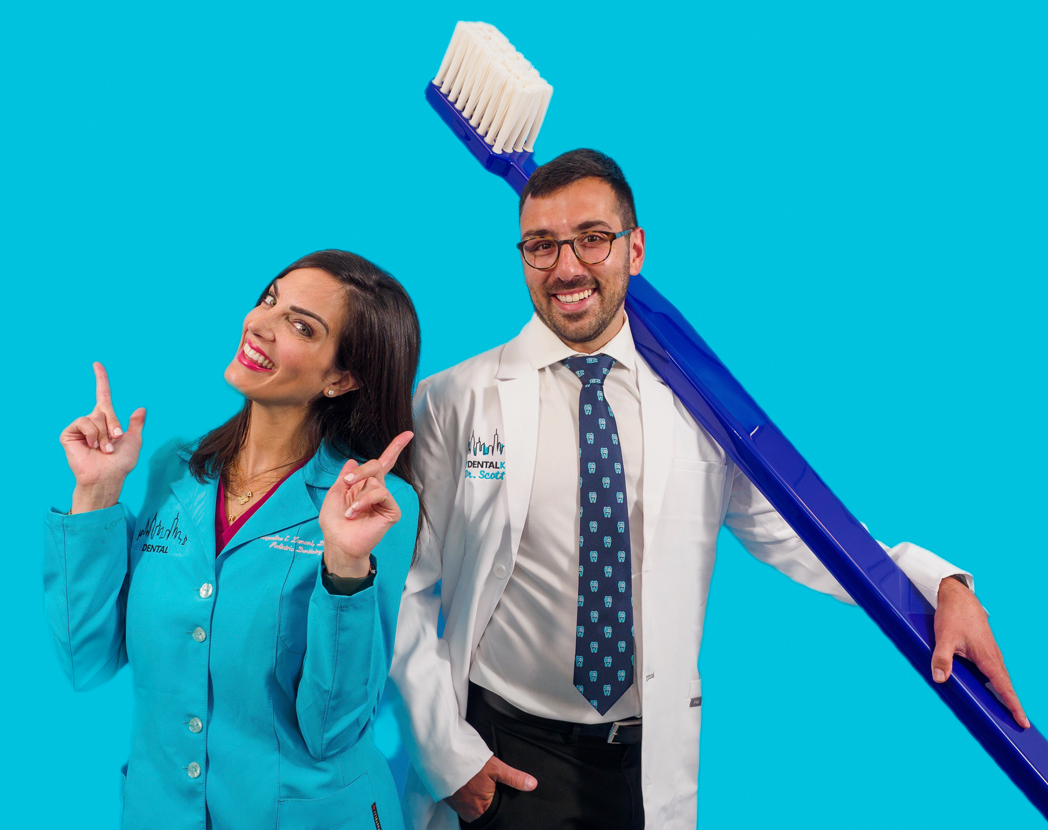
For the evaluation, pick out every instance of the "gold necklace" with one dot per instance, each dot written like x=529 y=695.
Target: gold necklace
x=241 y=497
x=244 y=498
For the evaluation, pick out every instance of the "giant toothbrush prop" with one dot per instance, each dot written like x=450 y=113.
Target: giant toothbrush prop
x=494 y=102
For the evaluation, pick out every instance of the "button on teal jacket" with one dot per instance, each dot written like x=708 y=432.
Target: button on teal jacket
x=284 y=677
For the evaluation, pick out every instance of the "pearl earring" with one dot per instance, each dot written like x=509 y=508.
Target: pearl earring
x=331 y=392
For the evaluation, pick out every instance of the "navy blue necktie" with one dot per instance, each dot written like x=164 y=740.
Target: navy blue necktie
x=604 y=627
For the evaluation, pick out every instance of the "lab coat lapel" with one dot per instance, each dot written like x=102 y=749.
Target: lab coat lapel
x=291 y=504
x=198 y=502
x=518 y=385
x=656 y=409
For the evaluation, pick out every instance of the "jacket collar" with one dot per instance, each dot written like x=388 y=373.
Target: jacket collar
x=518 y=389
x=538 y=347
x=514 y=362
x=289 y=506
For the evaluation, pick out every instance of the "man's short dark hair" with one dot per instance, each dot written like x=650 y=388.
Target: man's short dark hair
x=575 y=165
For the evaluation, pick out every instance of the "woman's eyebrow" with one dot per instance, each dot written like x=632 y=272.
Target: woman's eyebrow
x=319 y=319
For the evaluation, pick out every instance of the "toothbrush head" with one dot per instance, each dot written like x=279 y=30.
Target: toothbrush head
x=494 y=88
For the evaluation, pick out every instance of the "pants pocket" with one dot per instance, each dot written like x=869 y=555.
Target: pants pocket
x=488 y=816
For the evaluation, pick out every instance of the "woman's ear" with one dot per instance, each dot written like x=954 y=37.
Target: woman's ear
x=339 y=383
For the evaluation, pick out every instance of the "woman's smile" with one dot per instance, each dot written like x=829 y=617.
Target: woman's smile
x=254 y=358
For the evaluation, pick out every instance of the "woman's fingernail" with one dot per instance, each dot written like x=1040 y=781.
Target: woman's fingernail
x=117 y=432
x=95 y=445
x=348 y=478
x=109 y=447
x=939 y=675
x=349 y=513
x=354 y=505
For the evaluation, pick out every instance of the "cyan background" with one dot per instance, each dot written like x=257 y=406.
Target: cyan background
x=846 y=199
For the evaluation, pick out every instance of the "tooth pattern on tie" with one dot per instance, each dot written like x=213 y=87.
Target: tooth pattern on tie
x=604 y=654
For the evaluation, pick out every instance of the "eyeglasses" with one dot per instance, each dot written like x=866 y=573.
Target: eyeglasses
x=591 y=247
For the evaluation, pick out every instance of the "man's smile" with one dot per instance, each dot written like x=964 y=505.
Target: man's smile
x=574 y=297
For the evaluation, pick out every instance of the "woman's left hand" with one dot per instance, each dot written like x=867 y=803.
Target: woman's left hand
x=358 y=510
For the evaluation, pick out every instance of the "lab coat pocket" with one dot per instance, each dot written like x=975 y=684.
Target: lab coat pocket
x=694 y=491
x=351 y=808
x=695 y=693
x=299 y=583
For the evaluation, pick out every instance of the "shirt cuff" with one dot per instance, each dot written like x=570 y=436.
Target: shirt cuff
x=346 y=586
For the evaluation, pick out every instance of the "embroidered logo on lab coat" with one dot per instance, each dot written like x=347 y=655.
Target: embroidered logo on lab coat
x=291 y=542
x=161 y=537
x=486 y=460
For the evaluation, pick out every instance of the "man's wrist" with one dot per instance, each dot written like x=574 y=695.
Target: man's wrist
x=949 y=581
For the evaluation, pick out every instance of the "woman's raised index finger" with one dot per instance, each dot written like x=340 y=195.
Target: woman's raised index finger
x=101 y=384
x=392 y=452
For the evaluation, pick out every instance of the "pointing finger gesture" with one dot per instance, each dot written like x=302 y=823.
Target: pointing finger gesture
x=100 y=454
x=104 y=402
x=358 y=510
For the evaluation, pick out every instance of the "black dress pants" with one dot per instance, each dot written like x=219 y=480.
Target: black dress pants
x=583 y=783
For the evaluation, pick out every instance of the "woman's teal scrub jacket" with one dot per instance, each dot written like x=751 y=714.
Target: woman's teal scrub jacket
x=254 y=688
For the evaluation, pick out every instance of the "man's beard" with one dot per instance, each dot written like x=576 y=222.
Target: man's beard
x=605 y=315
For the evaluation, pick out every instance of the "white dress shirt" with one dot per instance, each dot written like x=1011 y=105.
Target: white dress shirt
x=527 y=652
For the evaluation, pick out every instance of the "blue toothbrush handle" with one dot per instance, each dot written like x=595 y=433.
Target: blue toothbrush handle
x=515 y=168
x=677 y=353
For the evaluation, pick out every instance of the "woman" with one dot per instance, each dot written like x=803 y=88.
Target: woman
x=256 y=595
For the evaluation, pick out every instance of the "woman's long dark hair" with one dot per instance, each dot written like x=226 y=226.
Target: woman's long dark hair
x=379 y=346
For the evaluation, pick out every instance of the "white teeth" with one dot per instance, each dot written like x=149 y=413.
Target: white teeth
x=577 y=297
x=257 y=358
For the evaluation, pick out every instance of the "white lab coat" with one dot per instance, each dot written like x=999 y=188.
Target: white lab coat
x=690 y=489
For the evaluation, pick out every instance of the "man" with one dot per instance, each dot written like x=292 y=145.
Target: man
x=574 y=509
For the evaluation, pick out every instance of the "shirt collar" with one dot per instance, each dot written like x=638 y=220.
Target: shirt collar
x=544 y=348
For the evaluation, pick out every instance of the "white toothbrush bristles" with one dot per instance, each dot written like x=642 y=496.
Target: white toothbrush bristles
x=494 y=87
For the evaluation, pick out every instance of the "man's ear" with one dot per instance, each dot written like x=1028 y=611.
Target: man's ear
x=636 y=251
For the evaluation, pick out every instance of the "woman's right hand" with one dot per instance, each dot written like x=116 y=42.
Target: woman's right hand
x=99 y=452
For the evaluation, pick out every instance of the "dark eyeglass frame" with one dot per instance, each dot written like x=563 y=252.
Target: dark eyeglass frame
x=561 y=242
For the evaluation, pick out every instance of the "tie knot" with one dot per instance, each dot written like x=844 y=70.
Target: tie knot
x=591 y=369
